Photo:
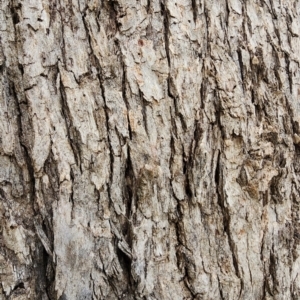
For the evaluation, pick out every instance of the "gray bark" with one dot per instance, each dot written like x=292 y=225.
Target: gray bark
x=149 y=149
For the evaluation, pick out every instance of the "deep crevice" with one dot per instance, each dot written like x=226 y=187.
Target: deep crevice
x=226 y=215
x=124 y=96
x=130 y=182
x=72 y=131
x=240 y=58
x=195 y=10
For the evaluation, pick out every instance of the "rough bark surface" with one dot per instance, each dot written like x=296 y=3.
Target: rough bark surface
x=149 y=149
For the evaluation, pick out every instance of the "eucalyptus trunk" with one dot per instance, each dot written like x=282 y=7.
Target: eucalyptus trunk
x=149 y=149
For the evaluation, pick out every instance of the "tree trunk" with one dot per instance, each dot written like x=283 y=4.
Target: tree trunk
x=149 y=149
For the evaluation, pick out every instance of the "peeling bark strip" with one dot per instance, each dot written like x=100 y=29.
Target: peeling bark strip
x=149 y=149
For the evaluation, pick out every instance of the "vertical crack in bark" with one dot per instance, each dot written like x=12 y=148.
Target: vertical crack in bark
x=125 y=262
x=188 y=170
x=272 y=271
x=240 y=58
x=106 y=109
x=144 y=112
x=38 y=272
x=226 y=217
x=189 y=163
x=148 y=7
x=195 y=10
x=40 y=266
x=130 y=183
x=108 y=135
x=71 y=199
x=207 y=23
x=124 y=95
x=26 y=151
x=290 y=76
x=181 y=247
x=227 y=13
x=72 y=132
x=165 y=15
x=171 y=89
x=171 y=84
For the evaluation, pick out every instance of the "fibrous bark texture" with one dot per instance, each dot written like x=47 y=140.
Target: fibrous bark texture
x=149 y=149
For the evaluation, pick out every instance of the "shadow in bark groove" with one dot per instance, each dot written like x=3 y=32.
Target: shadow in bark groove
x=226 y=216
x=73 y=133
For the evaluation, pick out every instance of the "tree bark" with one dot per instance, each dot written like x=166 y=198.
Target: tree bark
x=149 y=149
